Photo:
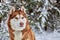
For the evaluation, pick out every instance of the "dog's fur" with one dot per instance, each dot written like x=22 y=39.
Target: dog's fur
x=17 y=34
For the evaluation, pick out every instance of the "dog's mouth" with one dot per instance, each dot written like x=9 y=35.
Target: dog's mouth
x=21 y=24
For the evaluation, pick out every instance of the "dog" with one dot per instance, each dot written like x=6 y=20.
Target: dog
x=18 y=25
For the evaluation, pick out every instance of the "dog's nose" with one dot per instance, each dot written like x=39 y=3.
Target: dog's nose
x=21 y=24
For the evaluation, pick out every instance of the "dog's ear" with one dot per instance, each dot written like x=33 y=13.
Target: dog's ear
x=12 y=10
x=23 y=9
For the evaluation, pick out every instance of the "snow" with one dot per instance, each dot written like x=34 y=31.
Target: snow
x=37 y=0
x=48 y=36
x=6 y=1
x=32 y=13
x=42 y=35
x=53 y=1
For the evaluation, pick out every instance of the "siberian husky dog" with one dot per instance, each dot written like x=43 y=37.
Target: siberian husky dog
x=18 y=25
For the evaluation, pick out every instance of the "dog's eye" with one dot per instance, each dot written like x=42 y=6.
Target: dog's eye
x=16 y=17
x=22 y=17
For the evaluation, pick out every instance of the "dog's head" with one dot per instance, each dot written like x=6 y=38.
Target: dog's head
x=17 y=20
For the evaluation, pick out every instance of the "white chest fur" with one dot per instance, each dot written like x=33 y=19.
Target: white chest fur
x=18 y=35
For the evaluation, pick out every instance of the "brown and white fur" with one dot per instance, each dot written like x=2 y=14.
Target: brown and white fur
x=18 y=25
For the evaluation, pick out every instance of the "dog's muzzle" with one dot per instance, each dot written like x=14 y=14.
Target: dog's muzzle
x=21 y=24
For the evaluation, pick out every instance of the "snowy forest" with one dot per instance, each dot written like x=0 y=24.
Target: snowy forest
x=43 y=16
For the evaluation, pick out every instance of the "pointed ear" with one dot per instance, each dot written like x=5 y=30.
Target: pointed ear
x=23 y=9
x=12 y=10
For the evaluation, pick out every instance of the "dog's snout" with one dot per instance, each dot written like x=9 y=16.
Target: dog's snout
x=21 y=24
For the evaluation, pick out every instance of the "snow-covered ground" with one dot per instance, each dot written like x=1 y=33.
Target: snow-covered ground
x=48 y=36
